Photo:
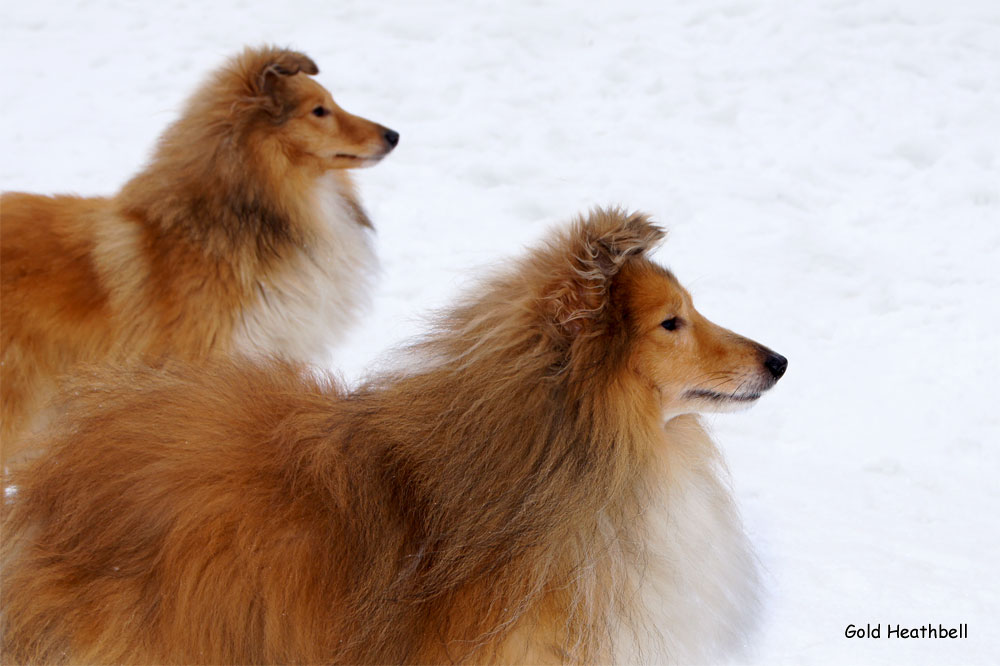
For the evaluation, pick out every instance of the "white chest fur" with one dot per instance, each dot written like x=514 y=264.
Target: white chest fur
x=308 y=305
x=698 y=582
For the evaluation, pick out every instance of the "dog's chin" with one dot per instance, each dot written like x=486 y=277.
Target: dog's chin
x=692 y=402
x=714 y=401
x=347 y=161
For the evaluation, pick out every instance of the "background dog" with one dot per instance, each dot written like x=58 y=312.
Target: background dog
x=243 y=234
x=512 y=496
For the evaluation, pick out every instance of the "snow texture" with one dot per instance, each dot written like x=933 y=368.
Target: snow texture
x=830 y=175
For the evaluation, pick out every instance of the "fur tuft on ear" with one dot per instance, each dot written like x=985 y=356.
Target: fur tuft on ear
x=274 y=64
x=261 y=75
x=591 y=253
x=292 y=63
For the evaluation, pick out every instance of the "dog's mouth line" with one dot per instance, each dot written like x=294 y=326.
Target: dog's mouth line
x=359 y=160
x=363 y=158
x=715 y=396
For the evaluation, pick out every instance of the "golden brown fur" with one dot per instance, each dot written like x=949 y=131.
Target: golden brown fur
x=177 y=263
x=488 y=504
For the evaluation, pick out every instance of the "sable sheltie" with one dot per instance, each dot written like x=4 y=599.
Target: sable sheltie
x=533 y=488
x=243 y=234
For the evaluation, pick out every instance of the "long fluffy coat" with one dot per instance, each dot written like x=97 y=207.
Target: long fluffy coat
x=512 y=497
x=235 y=237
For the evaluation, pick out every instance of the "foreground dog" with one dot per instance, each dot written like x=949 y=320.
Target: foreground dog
x=514 y=497
x=244 y=233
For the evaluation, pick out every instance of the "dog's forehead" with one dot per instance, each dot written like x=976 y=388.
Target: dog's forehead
x=660 y=276
x=670 y=287
x=651 y=286
x=307 y=88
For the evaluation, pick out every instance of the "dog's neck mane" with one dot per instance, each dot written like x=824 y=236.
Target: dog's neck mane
x=510 y=480
x=562 y=506
x=286 y=249
x=218 y=199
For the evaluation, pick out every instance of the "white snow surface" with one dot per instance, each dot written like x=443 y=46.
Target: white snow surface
x=829 y=173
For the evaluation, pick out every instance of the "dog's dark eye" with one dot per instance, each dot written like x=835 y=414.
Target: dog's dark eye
x=319 y=112
x=672 y=324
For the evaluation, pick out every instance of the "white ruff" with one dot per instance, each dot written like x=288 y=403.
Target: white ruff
x=308 y=306
x=698 y=591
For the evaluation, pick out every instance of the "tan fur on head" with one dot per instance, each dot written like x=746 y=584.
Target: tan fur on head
x=510 y=495
x=243 y=234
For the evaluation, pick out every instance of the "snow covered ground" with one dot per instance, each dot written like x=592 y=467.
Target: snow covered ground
x=830 y=175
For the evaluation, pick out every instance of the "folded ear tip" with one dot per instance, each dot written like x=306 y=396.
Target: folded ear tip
x=618 y=233
x=309 y=66
x=288 y=63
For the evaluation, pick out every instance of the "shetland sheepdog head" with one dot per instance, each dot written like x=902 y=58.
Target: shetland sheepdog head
x=299 y=114
x=695 y=365
x=618 y=311
x=246 y=156
x=259 y=128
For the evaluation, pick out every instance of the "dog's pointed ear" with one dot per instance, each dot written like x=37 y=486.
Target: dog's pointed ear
x=265 y=73
x=593 y=252
x=285 y=63
x=290 y=63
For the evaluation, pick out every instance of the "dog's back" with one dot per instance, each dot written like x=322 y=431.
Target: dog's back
x=55 y=308
x=81 y=283
x=163 y=520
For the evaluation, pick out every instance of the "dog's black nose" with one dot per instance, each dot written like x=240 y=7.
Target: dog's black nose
x=391 y=137
x=776 y=364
